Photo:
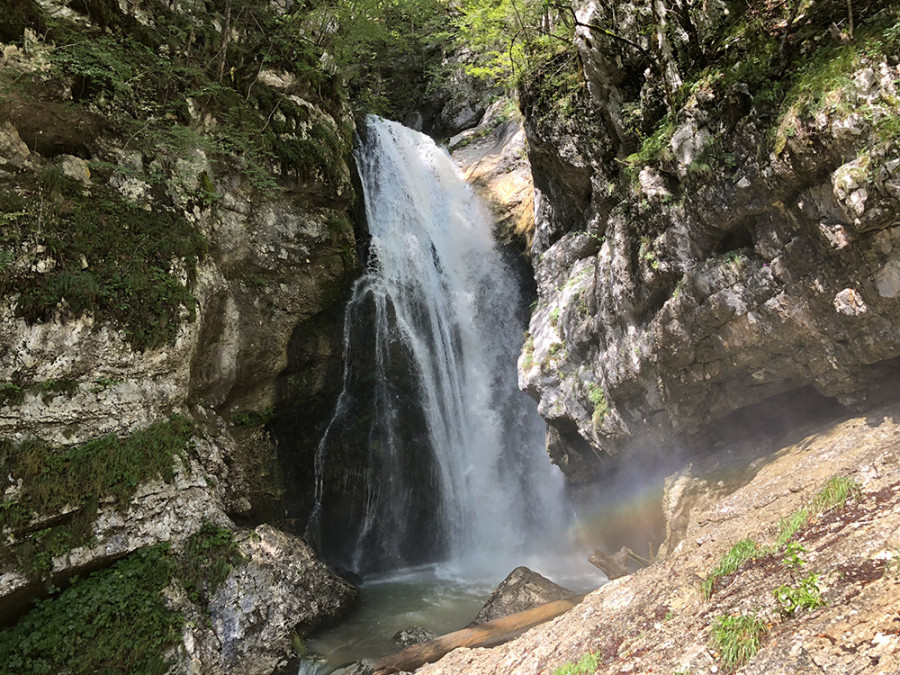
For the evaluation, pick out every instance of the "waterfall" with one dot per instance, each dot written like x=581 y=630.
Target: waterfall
x=432 y=453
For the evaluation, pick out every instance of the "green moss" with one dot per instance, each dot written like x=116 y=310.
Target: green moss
x=115 y=620
x=209 y=556
x=103 y=257
x=80 y=476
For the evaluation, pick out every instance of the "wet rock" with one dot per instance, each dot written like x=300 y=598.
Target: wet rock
x=522 y=589
x=493 y=158
x=358 y=668
x=282 y=588
x=413 y=636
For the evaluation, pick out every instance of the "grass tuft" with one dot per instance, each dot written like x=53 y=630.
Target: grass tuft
x=584 y=666
x=736 y=638
x=742 y=551
x=788 y=527
x=835 y=493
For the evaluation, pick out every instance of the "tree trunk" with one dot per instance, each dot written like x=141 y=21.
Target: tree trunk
x=488 y=634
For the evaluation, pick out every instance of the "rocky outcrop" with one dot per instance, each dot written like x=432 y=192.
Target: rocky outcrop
x=494 y=160
x=282 y=590
x=161 y=253
x=522 y=589
x=701 y=252
x=657 y=619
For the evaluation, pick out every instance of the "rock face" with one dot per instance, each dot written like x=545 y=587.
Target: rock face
x=265 y=250
x=282 y=589
x=494 y=160
x=522 y=589
x=657 y=619
x=742 y=249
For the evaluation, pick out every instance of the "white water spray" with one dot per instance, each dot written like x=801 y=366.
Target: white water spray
x=437 y=287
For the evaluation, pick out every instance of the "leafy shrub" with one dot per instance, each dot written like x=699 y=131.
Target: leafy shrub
x=804 y=595
x=115 y=620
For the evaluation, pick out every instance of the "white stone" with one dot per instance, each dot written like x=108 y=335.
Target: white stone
x=850 y=302
x=887 y=281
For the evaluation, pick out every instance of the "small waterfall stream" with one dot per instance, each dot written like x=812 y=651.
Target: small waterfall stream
x=438 y=455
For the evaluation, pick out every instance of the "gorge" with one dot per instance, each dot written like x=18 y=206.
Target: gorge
x=206 y=344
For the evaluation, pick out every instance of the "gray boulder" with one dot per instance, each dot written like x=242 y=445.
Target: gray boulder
x=522 y=589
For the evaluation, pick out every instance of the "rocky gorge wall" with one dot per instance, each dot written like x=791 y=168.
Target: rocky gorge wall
x=716 y=223
x=178 y=224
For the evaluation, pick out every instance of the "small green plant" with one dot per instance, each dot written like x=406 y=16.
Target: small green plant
x=597 y=396
x=209 y=556
x=11 y=394
x=736 y=639
x=554 y=316
x=835 y=493
x=654 y=147
x=789 y=526
x=804 y=595
x=586 y=665
x=528 y=351
x=792 y=557
x=254 y=418
x=744 y=550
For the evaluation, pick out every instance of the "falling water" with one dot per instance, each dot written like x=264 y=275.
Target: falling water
x=454 y=464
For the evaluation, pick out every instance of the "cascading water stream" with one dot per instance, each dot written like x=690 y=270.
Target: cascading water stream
x=453 y=465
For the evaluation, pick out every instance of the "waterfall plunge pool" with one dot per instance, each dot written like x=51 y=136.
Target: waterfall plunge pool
x=440 y=598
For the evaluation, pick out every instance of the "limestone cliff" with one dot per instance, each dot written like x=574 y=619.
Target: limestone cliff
x=177 y=217
x=718 y=202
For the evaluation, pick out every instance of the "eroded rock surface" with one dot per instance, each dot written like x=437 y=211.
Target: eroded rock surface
x=283 y=589
x=657 y=619
x=494 y=160
x=723 y=268
x=274 y=251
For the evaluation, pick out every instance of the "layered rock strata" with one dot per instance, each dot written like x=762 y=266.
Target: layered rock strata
x=699 y=255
